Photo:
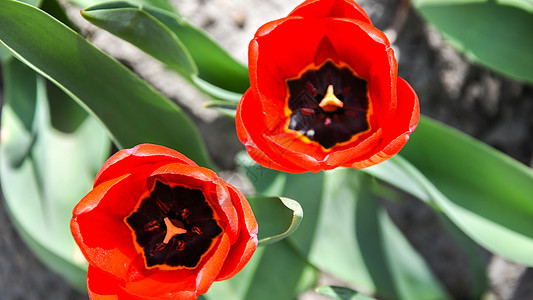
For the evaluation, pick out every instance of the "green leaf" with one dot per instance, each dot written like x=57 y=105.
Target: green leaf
x=172 y=40
x=56 y=171
x=484 y=192
x=20 y=89
x=35 y=3
x=397 y=270
x=493 y=33
x=522 y=4
x=4 y=53
x=141 y=29
x=131 y=110
x=55 y=9
x=216 y=67
x=278 y=217
x=162 y=4
x=346 y=234
x=399 y=173
x=72 y=269
x=275 y=271
x=341 y=293
x=476 y=262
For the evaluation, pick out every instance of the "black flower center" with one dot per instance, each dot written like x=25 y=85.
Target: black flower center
x=329 y=105
x=174 y=226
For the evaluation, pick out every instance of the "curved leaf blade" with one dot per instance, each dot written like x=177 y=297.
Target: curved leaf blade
x=131 y=110
x=162 y=4
x=209 y=67
x=278 y=217
x=144 y=31
x=341 y=293
x=56 y=170
x=484 y=192
x=74 y=273
x=215 y=65
x=470 y=27
x=346 y=234
x=275 y=271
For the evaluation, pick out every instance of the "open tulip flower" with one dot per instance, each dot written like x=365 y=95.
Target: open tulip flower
x=157 y=226
x=324 y=92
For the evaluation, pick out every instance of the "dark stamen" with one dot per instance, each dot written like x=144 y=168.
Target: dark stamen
x=150 y=226
x=329 y=104
x=184 y=213
x=178 y=217
x=180 y=245
x=197 y=230
x=311 y=89
x=157 y=248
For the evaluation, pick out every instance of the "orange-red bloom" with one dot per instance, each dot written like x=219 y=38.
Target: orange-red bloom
x=157 y=226
x=324 y=92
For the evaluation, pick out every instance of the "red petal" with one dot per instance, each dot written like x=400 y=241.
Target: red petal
x=282 y=54
x=210 y=270
x=165 y=285
x=195 y=281
x=358 y=44
x=224 y=201
x=98 y=225
x=240 y=252
x=331 y=9
x=191 y=176
x=145 y=154
x=251 y=129
x=101 y=286
x=397 y=131
x=325 y=51
x=374 y=62
x=357 y=151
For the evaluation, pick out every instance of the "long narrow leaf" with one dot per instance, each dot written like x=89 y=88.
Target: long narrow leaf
x=277 y=217
x=341 y=293
x=56 y=169
x=162 y=4
x=131 y=110
x=470 y=26
x=275 y=271
x=138 y=27
x=346 y=234
x=484 y=192
x=172 y=40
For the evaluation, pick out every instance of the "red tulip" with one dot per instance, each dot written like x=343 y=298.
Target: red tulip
x=157 y=226
x=324 y=92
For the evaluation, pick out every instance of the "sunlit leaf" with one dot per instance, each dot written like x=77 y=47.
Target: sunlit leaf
x=162 y=4
x=493 y=33
x=484 y=192
x=55 y=171
x=345 y=232
x=278 y=217
x=131 y=110
x=20 y=90
x=172 y=40
x=141 y=29
x=275 y=271
x=341 y=293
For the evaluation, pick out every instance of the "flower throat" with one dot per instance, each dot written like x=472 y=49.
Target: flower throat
x=174 y=226
x=329 y=105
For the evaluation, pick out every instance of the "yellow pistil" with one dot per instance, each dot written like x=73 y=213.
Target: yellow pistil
x=330 y=102
x=172 y=230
